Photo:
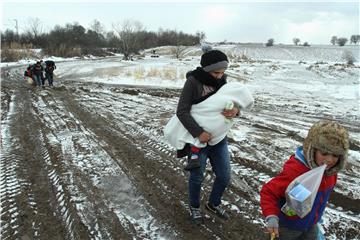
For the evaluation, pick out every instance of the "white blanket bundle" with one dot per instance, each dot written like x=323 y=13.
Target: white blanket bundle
x=208 y=115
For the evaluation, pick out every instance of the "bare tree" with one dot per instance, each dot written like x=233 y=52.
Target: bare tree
x=201 y=35
x=296 y=41
x=354 y=39
x=8 y=36
x=97 y=27
x=333 y=40
x=34 y=28
x=349 y=57
x=128 y=34
x=178 y=51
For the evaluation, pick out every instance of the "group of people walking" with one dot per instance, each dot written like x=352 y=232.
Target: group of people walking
x=36 y=73
x=327 y=142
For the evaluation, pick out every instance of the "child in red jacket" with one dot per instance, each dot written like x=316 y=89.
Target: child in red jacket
x=326 y=143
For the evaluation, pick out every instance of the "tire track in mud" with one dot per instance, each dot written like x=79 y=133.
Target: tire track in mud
x=63 y=205
x=14 y=188
x=50 y=110
x=5 y=102
x=26 y=209
x=9 y=181
x=56 y=172
x=77 y=141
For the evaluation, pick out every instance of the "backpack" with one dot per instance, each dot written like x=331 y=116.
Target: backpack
x=27 y=72
x=50 y=66
x=49 y=63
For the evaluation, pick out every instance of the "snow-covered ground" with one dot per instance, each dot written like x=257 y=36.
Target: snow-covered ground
x=293 y=88
x=307 y=80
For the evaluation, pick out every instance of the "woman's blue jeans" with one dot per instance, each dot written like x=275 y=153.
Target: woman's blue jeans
x=220 y=163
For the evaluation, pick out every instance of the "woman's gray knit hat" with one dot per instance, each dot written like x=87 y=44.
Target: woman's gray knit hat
x=213 y=60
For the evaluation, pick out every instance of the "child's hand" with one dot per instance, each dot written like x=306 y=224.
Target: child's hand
x=231 y=112
x=204 y=137
x=272 y=225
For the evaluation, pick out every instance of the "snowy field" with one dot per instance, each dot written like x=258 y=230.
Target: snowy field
x=293 y=87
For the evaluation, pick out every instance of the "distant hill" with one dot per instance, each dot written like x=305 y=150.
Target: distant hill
x=314 y=53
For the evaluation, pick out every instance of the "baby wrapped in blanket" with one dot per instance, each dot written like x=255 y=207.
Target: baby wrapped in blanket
x=208 y=115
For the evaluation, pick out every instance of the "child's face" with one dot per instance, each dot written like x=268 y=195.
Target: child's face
x=329 y=159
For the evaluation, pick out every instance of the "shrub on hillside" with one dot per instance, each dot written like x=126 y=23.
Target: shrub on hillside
x=15 y=52
x=169 y=73
x=63 y=50
x=139 y=73
x=270 y=42
x=296 y=41
x=349 y=57
x=341 y=41
x=178 y=51
x=9 y=55
x=66 y=50
x=239 y=57
x=153 y=72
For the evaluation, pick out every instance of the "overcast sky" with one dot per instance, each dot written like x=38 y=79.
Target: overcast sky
x=237 y=21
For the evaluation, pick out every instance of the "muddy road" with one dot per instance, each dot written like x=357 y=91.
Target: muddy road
x=87 y=160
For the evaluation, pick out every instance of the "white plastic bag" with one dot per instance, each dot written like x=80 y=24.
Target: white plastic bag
x=301 y=192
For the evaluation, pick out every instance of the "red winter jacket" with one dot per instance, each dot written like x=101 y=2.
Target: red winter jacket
x=272 y=195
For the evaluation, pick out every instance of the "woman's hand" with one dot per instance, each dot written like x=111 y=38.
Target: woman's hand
x=231 y=113
x=204 y=137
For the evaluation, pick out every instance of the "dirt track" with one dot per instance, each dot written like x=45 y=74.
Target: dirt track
x=84 y=161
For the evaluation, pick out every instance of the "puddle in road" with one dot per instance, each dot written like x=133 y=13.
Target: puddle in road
x=129 y=205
